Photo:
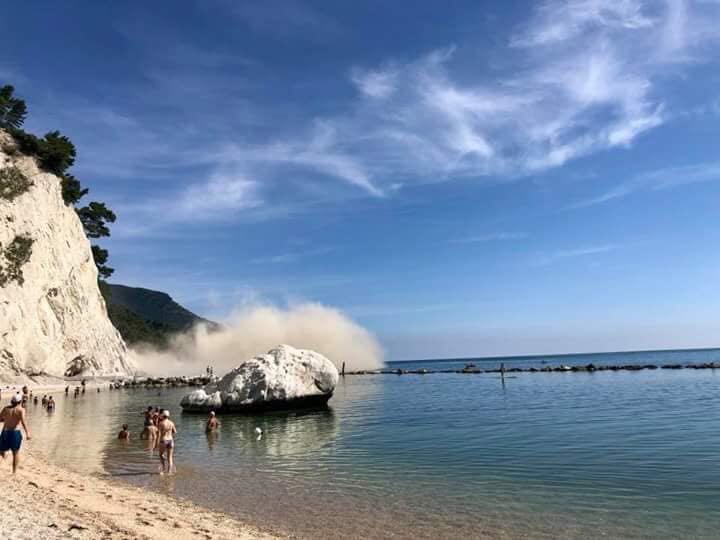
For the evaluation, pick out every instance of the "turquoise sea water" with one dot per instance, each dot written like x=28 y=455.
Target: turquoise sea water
x=538 y=455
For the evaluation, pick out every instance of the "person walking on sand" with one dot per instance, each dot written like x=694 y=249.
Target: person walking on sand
x=212 y=423
x=167 y=443
x=12 y=417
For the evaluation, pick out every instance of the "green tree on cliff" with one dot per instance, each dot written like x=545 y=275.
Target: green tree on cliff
x=56 y=153
x=12 y=109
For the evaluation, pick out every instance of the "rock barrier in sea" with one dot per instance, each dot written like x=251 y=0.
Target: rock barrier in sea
x=175 y=382
x=589 y=368
x=159 y=382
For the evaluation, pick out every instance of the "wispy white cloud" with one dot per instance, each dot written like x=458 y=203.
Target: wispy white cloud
x=375 y=83
x=285 y=18
x=579 y=77
x=292 y=256
x=590 y=80
x=583 y=251
x=319 y=151
x=557 y=22
x=226 y=195
x=657 y=180
x=490 y=237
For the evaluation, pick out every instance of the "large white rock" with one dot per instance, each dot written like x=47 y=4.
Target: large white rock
x=285 y=376
x=56 y=320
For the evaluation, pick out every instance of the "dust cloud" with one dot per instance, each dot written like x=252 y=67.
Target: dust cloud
x=253 y=331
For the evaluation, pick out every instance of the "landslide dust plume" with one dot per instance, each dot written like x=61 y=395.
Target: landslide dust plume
x=254 y=331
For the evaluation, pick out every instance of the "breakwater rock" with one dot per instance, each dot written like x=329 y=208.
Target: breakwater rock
x=284 y=378
x=159 y=382
x=589 y=368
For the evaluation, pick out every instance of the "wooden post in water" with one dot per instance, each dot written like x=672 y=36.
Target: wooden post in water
x=343 y=369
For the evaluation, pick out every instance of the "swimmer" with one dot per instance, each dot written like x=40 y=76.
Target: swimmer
x=124 y=433
x=212 y=423
x=167 y=442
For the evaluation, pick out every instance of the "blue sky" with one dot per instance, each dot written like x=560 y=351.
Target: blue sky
x=462 y=178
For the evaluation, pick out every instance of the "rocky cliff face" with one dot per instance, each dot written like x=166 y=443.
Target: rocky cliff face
x=53 y=318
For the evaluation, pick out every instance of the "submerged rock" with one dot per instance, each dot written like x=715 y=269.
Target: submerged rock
x=283 y=378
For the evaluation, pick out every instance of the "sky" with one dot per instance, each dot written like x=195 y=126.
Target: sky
x=462 y=178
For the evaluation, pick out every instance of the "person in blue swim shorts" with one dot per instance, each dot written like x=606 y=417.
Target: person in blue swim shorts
x=12 y=418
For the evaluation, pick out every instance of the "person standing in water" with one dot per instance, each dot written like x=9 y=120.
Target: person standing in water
x=12 y=417
x=51 y=404
x=167 y=443
x=212 y=423
x=124 y=433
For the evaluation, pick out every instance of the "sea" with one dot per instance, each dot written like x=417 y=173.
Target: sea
x=609 y=454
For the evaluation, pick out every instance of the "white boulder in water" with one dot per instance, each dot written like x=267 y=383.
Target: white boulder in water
x=283 y=378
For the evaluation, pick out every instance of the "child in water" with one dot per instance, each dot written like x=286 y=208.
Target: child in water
x=124 y=433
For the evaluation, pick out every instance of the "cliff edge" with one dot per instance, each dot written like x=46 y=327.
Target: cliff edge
x=53 y=319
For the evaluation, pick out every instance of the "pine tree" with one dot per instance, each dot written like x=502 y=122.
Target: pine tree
x=12 y=109
x=95 y=217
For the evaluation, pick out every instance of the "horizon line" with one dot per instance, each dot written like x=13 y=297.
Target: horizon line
x=526 y=356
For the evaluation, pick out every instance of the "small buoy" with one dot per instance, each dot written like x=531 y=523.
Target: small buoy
x=258 y=431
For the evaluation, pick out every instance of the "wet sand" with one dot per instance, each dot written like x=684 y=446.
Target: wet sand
x=45 y=501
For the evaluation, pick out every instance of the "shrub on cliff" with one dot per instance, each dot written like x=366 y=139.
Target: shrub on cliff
x=13 y=258
x=13 y=183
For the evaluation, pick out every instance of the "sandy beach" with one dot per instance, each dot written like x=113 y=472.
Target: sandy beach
x=45 y=501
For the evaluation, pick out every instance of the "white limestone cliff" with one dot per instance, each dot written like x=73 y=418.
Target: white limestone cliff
x=55 y=322
x=283 y=376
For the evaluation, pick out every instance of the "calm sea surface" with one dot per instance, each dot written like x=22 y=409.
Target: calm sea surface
x=544 y=455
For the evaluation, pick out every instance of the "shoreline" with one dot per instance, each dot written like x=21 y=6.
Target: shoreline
x=47 y=501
